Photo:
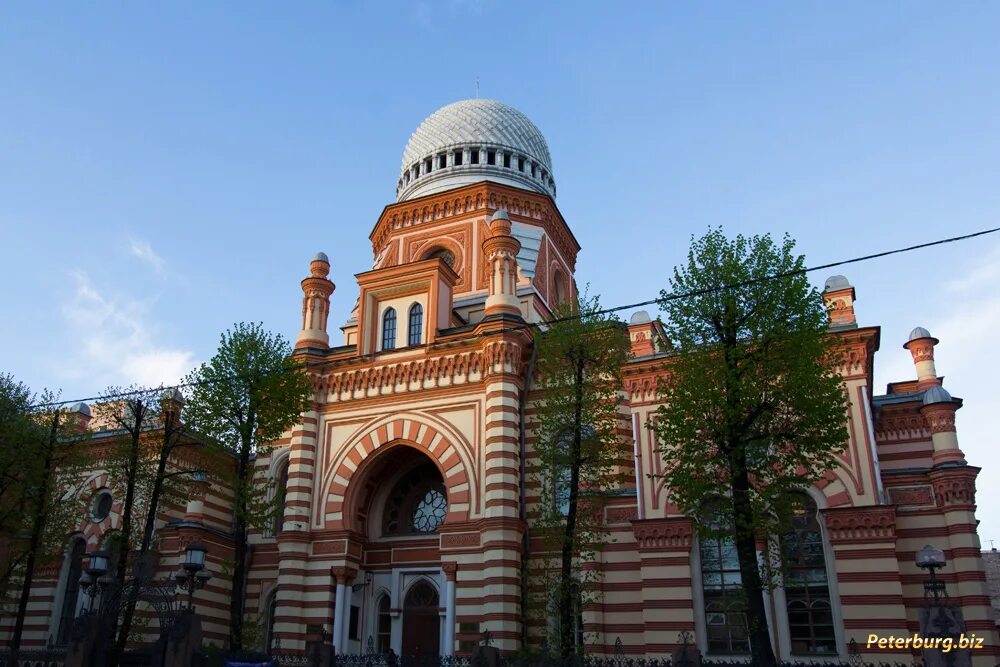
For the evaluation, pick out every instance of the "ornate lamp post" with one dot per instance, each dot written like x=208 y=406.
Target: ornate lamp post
x=361 y=586
x=97 y=579
x=193 y=575
x=932 y=559
x=939 y=618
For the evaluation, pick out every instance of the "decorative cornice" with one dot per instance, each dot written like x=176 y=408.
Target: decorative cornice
x=483 y=197
x=672 y=534
x=955 y=487
x=492 y=358
x=895 y=422
x=851 y=524
x=940 y=417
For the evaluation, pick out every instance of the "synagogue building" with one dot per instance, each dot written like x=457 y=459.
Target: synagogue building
x=404 y=522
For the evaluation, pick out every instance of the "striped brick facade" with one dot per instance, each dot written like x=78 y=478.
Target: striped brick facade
x=481 y=260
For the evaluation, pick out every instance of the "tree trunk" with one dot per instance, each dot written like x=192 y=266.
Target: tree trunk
x=761 y=652
x=745 y=535
x=240 y=548
x=567 y=589
x=37 y=529
x=121 y=566
x=147 y=539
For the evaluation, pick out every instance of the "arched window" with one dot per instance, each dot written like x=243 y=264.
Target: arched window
x=415 y=331
x=417 y=504
x=280 y=495
x=444 y=254
x=100 y=505
x=73 y=572
x=559 y=285
x=722 y=587
x=562 y=478
x=270 y=608
x=807 y=590
x=383 y=625
x=554 y=615
x=389 y=329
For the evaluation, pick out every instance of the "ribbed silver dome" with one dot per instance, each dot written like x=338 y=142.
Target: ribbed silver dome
x=475 y=140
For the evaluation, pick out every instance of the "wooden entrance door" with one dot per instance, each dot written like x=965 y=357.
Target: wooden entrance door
x=421 y=622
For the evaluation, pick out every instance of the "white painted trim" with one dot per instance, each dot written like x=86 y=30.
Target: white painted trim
x=61 y=588
x=873 y=446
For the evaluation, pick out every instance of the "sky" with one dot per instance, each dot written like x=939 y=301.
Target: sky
x=168 y=169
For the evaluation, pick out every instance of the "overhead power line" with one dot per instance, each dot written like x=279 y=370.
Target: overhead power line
x=604 y=311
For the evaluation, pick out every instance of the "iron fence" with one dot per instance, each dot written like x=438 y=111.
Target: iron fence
x=49 y=657
x=290 y=659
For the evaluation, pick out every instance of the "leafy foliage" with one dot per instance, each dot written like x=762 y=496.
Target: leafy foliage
x=244 y=399
x=43 y=461
x=578 y=455
x=142 y=474
x=753 y=406
x=131 y=458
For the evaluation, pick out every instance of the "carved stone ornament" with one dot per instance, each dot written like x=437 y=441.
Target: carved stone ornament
x=911 y=495
x=861 y=523
x=956 y=486
x=458 y=540
x=663 y=534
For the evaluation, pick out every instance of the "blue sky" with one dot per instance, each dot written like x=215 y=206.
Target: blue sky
x=169 y=169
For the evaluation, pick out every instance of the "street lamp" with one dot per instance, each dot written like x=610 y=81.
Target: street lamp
x=98 y=565
x=193 y=575
x=368 y=580
x=932 y=559
x=97 y=577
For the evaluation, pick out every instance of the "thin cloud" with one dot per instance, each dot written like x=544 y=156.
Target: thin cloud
x=141 y=249
x=116 y=340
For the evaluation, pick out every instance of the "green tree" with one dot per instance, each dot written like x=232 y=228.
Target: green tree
x=243 y=399
x=131 y=412
x=139 y=463
x=42 y=464
x=753 y=406
x=578 y=456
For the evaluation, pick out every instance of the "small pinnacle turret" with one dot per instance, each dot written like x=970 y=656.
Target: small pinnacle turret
x=316 y=291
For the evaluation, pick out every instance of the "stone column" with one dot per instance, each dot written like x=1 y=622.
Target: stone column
x=665 y=572
x=868 y=578
x=342 y=575
x=939 y=412
x=450 y=570
x=502 y=529
x=965 y=574
x=293 y=551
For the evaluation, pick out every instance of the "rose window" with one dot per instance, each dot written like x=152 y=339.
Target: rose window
x=417 y=503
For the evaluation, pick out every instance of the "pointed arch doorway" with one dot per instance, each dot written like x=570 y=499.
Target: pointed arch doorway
x=421 y=620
